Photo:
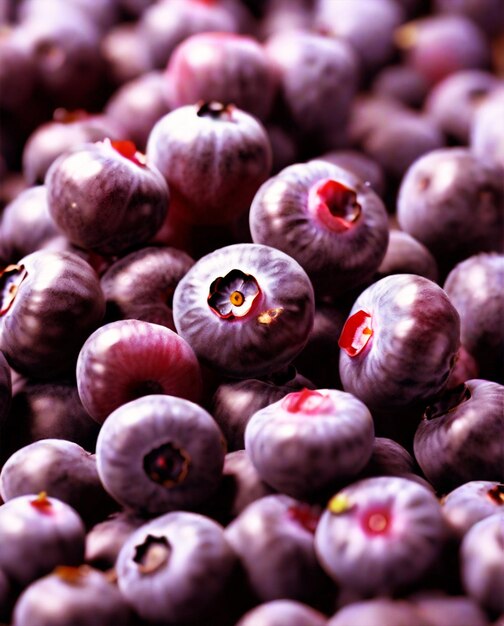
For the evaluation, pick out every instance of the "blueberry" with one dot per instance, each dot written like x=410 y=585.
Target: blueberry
x=140 y=285
x=471 y=502
x=214 y=157
x=61 y=468
x=38 y=533
x=282 y=612
x=329 y=220
x=273 y=538
x=104 y=196
x=105 y=540
x=459 y=439
x=378 y=611
x=402 y=83
x=234 y=402
x=399 y=343
x=439 y=609
x=487 y=129
x=175 y=568
x=379 y=535
x=50 y=302
x=475 y=288
x=482 y=563
x=406 y=255
x=160 y=453
x=310 y=442
x=70 y=596
x=128 y=359
x=245 y=309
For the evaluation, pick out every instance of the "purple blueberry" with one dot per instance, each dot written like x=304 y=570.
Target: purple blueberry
x=487 y=129
x=175 y=568
x=332 y=223
x=310 y=442
x=460 y=436
x=378 y=611
x=482 y=563
x=37 y=533
x=70 y=596
x=128 y=359
x=439 y=609
x=105 y=197
x=141 y=284
x=471 y=502
x=234 y=402
x=406 y=255
x=282 y=612
x=380 y=535
x=475 y=287
x=401 y=83
x=160 y=453
x=399 y=344
x=62 y=469
x=50 y=302
x=246 y=309
x=105 y=540
x=214 y=157
x=273 y=538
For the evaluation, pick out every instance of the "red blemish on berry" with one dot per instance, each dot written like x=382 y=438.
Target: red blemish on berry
x=334 y=205
x=305 y=401
x=42 y=504
x=128 y=150
x=356 y=333
x=376 y=522
x=304 y=515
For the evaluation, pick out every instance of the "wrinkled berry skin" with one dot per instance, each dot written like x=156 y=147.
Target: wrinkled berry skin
x=460 y=437
x=57 y=302
x=475 y=287
x=452 y=202
x=82 y=596
x=186 y=580
x=482 y=563
x=411 y=348
x=380 y=535
x=104 y=201
x=339 y=238
x=214 y=157
x=258 y=337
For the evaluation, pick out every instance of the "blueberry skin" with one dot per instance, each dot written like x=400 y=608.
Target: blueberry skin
x=273 y=538
x=58 y=302
x=142 y=428
x=128 y=359
x=452 y=202
x=406 y=255
x=440 y=610
x=234 y=403
x=70 y=597
x=281 y=216
x=140 y=285
x=471 y=502
x=378 y=611
x=482 y=563
x=282 y=612
x=475 y=288
x=104 y=201
x=37 y=534
x=191 y=563
x=270 y=335
x=105 y=540
x=303 y=451
x=61 y=468
x=380 y=535
x=487 y=129
x=460 y=437
x=412 y=348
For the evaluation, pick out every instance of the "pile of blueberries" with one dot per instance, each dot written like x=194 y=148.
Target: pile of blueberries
x=252 y=312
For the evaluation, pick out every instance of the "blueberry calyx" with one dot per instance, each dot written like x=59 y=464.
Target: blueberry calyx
x=376 y=522
x=10 y=279
x=64 y=116
x=72 y=575
x=233 y=295
x=496 y=494
x=42 y=504
x=152 y=554
x=449 y=401
x=167 y=465
x=334 y=205
x=356 y=333
x=128 y=150
x=214 y=110
x=305 y=401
